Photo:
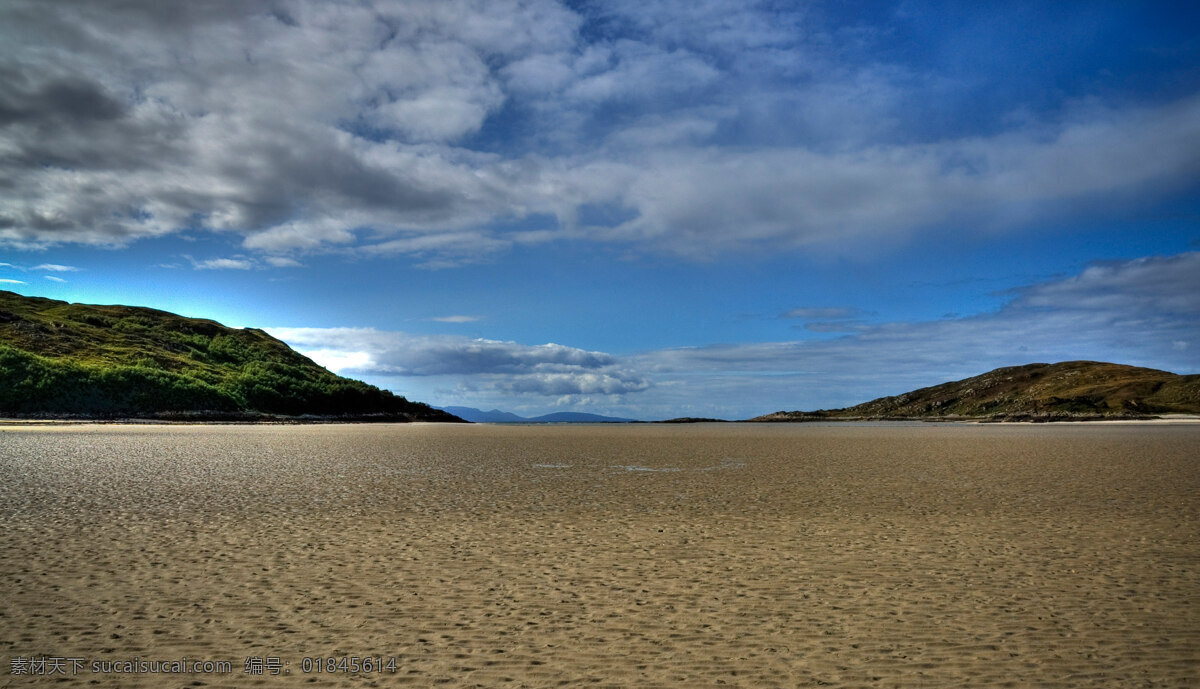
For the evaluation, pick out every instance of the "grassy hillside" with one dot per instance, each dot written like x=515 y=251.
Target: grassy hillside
x=1067 y=390
x=58 y=359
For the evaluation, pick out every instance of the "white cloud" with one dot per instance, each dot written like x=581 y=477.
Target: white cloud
x=282 y=262
x=712 y=200
x=303 y=234
x=53 y=278
x=1130 y=312
x=128 y=124
x=444 y=250
x=508 y=367
x=9 y=281
x=636 y=70
x=337 y=360
x=1142 y=312
x=733 y=26
x=223 y=264
x=660 y=131
x=1152 y=286
x=50 y=267
x=714 y=126
x=436 y=90
x=456 y=319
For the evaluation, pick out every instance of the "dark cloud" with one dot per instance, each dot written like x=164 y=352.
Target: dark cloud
x=69 y=100
x=129 y=119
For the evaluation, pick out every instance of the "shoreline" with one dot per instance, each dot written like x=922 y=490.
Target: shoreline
x=221 y=418
x=43 y=422
x=990 y=421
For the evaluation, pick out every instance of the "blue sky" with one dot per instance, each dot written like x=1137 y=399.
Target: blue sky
x=646 y=209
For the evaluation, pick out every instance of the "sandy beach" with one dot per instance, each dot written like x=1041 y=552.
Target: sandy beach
x=751 y=555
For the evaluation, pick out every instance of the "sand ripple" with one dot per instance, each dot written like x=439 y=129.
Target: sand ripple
x=650 y=556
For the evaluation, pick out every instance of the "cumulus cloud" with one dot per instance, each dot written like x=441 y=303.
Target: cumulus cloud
x=122 y=122
x=420 y=128
x=716 y=199
x=1143 y=312
x=548 y=369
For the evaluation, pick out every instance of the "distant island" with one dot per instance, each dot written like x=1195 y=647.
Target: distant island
x=63 y=360
x=1066 y=391
x=497 y=416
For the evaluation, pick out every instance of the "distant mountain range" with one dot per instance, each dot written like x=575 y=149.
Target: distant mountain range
x=78 y=360
x=497 y=416
x=1071 y=390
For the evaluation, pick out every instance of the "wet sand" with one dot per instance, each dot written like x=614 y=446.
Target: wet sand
x=886 y=555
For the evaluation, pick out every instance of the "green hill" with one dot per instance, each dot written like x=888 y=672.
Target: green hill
x=1067 y=390
x=62 y=359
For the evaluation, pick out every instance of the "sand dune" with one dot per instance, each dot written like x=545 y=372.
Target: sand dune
x=608 y=556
